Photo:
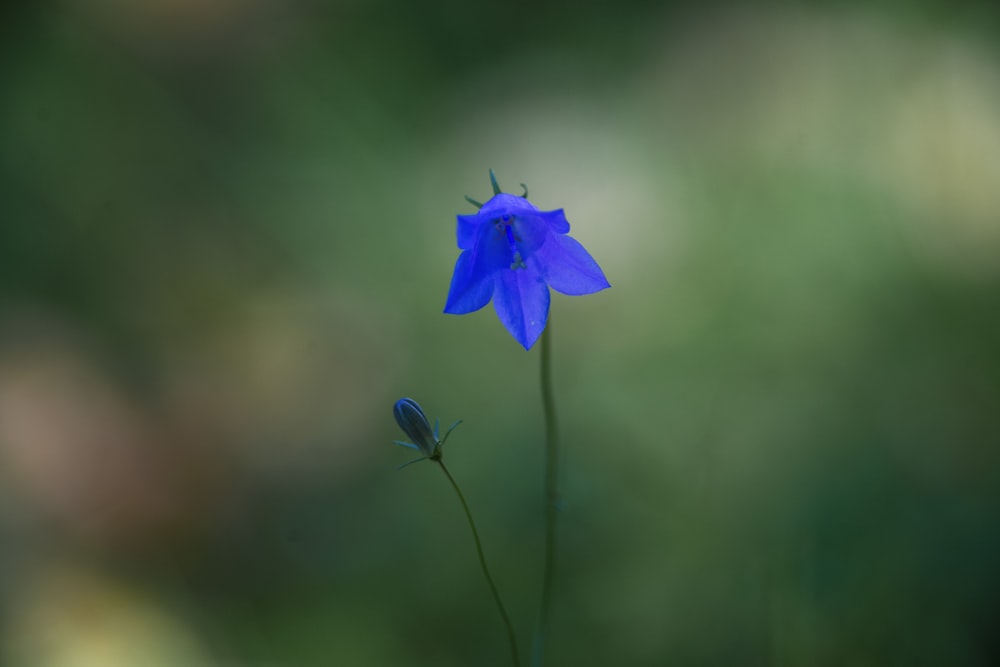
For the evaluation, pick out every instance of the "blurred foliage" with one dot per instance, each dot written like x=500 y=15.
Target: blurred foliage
x=226 y=235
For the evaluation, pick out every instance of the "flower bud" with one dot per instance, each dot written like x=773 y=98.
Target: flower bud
x=411 y=418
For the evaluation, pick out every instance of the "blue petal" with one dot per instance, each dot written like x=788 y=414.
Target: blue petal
x=567 y=267
x=531 y=232
x=556 y=220
x=468 y=229
x=468 y=292
x=474 y=279
x=521 y=300
x=504 y=204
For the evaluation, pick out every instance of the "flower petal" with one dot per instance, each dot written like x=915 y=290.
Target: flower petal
x=567 y=266
x=505 y=204
x=556 y=220
x=521 y=300
x=474 y=279
x=531 y=232
x=469 y=292
x=468 y=229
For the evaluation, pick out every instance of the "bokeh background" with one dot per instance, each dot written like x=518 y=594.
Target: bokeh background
x=226 y=237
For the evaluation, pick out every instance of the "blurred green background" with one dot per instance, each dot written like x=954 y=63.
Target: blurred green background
x=226 y=237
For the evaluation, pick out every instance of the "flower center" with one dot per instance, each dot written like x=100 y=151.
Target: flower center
x=506 y=225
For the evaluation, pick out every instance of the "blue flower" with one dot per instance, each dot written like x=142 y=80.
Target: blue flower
x=513 y=253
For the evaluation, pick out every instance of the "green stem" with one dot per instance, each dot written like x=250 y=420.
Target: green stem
x=486 y=570
x=551 y=497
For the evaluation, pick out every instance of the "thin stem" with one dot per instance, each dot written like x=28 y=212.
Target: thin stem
x=551 y=496
x=486 y=570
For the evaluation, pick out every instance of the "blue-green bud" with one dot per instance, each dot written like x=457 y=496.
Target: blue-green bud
x=411 y=418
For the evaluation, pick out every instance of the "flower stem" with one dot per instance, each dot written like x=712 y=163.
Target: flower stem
x=551 y=497
x=486 y=570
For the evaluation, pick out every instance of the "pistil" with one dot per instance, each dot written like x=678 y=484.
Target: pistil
x=518 y=262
